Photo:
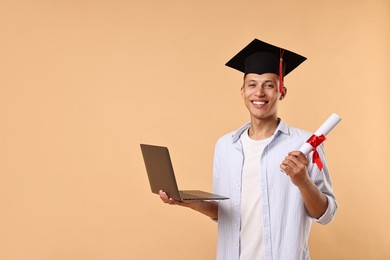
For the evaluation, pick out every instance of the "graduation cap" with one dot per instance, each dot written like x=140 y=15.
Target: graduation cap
x=260 y=57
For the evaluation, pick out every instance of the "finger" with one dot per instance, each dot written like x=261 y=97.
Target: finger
x=290 y=161
x=295 y=162
x=164 y=197
x=285 y=167
x=168 y=200
x=298 y=159
x=299 y=156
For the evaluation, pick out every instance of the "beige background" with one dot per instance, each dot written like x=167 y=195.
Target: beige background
x=82 y=83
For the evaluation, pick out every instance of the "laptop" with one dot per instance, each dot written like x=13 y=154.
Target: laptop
x=162 y=177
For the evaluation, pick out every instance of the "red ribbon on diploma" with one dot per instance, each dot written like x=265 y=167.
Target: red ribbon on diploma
x=315 y=141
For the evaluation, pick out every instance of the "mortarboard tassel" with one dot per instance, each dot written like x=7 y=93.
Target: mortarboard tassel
x=281 y=71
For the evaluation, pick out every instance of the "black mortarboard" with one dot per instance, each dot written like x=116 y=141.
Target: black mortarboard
x=260 y=57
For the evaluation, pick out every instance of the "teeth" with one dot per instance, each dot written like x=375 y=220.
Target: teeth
x=258 y=102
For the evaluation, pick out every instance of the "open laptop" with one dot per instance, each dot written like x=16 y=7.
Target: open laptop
x=161 y=176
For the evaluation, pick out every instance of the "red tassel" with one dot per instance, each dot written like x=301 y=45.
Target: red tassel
x=281 y=71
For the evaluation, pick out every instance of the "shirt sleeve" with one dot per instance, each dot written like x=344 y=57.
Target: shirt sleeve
x=329 y=213
x=215 y=173
x=322 y=180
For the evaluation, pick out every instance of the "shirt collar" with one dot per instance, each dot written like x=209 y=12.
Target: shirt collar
x=282 y=127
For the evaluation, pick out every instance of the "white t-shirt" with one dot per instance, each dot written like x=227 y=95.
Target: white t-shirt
x=251 y=234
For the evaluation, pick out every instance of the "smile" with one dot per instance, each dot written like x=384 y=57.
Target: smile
x=257 y=103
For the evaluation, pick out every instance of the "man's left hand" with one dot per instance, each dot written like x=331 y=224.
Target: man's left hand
x=295 y=165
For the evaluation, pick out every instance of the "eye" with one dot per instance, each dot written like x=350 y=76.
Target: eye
x=269 y=85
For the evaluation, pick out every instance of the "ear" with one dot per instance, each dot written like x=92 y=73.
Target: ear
x=283 y=94
x=242 y=91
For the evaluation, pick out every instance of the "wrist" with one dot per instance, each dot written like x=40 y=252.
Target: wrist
x=306 y=185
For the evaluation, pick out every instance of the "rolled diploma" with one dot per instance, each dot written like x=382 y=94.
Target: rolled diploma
x=324 y=129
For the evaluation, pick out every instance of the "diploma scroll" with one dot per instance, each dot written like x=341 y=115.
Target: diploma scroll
x=324 y=129
x=318 y=137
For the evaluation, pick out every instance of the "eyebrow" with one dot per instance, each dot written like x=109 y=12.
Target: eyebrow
x=268 y=81
x=251 y=81
x=265 y=82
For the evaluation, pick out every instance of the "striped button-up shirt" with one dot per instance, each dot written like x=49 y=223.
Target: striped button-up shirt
x=286 y=222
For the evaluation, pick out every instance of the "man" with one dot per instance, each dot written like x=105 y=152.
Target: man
x=275 y=191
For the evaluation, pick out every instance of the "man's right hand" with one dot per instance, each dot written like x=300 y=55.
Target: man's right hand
x=209 y=208
x=171 y=201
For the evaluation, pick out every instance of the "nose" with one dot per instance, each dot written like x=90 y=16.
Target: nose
x=259 y=91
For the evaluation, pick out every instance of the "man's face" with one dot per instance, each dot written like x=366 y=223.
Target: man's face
x=261 y=96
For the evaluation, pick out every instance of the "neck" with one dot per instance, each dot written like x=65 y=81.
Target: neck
x=262 y=129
